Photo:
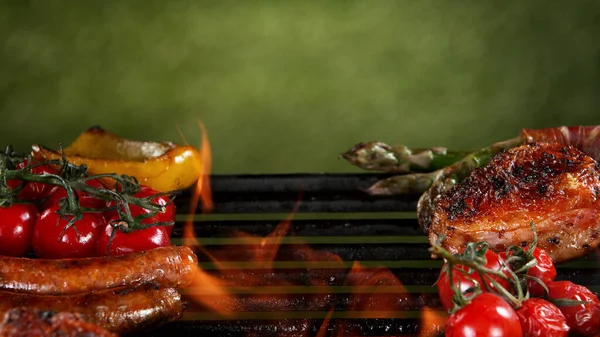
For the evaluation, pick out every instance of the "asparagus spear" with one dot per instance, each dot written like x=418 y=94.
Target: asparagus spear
x=447 y=176
x=379 y=156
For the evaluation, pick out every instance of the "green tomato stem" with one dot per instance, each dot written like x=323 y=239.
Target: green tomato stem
x=73 y=179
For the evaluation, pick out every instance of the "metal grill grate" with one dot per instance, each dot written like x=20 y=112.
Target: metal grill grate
x=334 y=216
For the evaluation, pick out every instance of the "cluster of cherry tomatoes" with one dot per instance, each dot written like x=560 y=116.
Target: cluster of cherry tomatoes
x=34 y=226
x=542 y=314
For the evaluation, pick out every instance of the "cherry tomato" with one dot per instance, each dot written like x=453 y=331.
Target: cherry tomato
x=135 y=241
x=544 y=270
x=77 y=241
x=167 y=216
x=32 y=191
x=85 y=200
x=463 y=282
x=581 y=318
x=540 y=318
x=16 y=229
x=487 y=315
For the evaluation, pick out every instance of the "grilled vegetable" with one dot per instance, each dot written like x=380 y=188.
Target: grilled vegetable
x=163 y=166
x=17 y=223
x=583 y=318
x=448 y=176
x=539 y=318
x=466 y=292
x=378 y=156
x=77 y=196
x=53 y=238
x=500 y=319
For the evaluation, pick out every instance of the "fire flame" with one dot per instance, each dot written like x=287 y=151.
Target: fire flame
x=432 y=322
x=288 y=279
x=202 y=193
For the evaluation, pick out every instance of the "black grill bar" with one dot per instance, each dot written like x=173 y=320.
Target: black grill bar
x=291 y=328
x=312 y=227
x=286 y=183
x=279 y=193
x=310 y=204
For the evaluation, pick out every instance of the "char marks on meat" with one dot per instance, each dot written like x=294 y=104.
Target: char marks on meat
x=122 y=310
x=30 y=322
x=554 y=186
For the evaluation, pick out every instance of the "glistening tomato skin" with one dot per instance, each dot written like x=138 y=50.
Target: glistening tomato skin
x=78 y=241
x=16 y=229
x=494 y=262
x=544 y=270
x=540 y=318
x=85 y=200
x=135 y=241
x=487 y=315
x=581 y=318
x=167 y=216
x=32 y=191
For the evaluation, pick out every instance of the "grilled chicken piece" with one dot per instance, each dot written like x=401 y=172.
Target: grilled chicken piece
x=554 y=186
x=29 y=322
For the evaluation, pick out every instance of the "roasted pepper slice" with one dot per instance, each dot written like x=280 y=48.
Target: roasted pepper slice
x=163 y=166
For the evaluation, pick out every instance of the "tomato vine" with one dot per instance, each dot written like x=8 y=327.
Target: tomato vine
x=74 y=179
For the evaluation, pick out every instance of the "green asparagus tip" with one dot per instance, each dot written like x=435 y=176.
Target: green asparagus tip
x=416 y=183
x=374 y=156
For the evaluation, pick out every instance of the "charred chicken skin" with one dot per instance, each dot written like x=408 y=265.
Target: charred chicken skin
x=557 y=187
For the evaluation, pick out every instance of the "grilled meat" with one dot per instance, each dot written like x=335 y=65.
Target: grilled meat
x=122 y=310
x=170 y=266
x=556 y=187
x=29 y=322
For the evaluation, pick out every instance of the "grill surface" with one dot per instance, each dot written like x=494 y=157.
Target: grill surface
x=334 y=216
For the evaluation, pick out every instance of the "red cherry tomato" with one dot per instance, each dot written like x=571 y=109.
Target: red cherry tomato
x=544 y=270
x=76 y=242
x=32 y=191
x=135 y=241
x=581 y=318
x=16 y=229
x=167 y=216
x=464 y=282
x=487 y=315
x=85 y=200
x=540 y=318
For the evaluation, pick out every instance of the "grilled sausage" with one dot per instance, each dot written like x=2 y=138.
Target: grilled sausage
x=117 y=310
x=30 y=322
x=171 y=266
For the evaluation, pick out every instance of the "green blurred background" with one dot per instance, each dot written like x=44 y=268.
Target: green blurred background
x=285 y=86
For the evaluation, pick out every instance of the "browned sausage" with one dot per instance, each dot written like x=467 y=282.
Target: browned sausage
x=118 y=310
x=30 y=322
x=171 y=266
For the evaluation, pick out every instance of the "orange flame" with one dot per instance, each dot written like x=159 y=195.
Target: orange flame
x=208 y=284
x=202 y=192
x=377 y=292
x=323 y=328
x=237 y=290
x=432 y=322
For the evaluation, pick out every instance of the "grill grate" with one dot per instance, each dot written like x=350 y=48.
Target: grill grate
x=334 y=216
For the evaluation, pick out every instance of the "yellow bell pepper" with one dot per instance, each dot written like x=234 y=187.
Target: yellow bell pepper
x=163 y=166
